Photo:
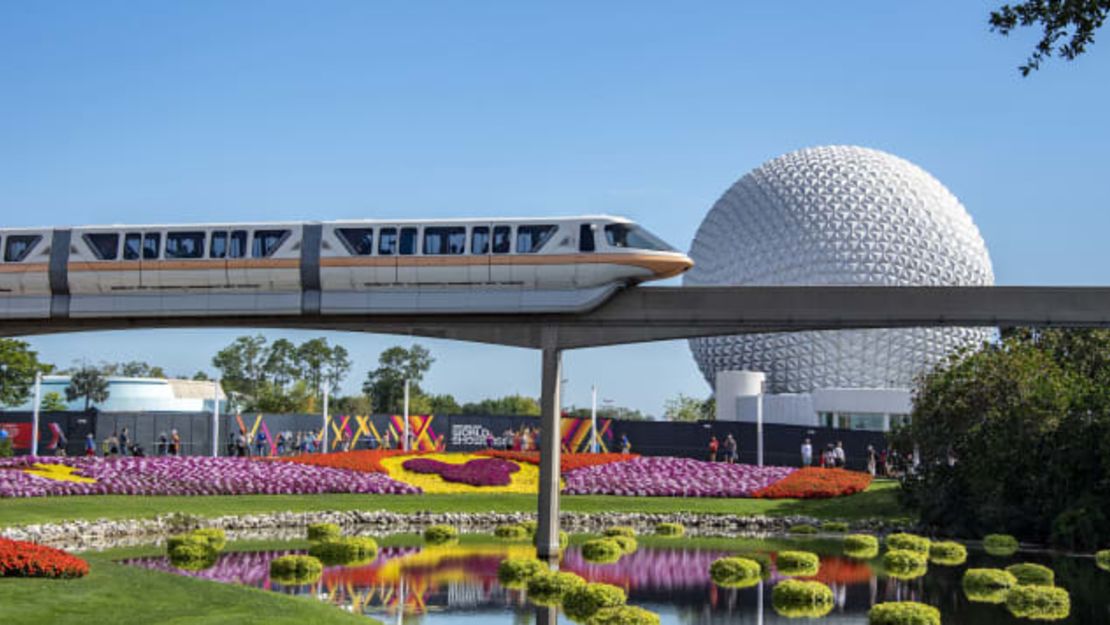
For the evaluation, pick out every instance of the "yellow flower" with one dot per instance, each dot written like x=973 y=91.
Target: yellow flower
x=58 y=473
x=446 y=563
x=526 y=480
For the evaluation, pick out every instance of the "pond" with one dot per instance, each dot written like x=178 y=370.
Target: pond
x=457 y=584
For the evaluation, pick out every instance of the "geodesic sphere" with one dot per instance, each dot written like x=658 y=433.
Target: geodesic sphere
x=837 y=215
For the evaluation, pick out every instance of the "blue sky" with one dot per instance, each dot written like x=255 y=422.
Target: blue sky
x=117 y=112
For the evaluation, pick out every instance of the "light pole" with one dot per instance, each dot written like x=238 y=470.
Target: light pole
x=593 y=419
x=405 y=427
x=35 y=415
x=216 y=418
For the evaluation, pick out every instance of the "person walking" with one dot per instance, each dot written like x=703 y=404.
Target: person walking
x=260 y=444
x=489 y=440
x=626 y=445
x=123 y=441
x=838 y=455
x=175 y=443
x=713 y=446
x=807 y=453
x=872 y=460
x=731 y=453
x=90 y=444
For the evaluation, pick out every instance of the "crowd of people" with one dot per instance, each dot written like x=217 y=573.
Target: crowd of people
x=120 y=443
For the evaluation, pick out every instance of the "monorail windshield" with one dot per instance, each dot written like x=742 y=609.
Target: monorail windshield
x=634 y=237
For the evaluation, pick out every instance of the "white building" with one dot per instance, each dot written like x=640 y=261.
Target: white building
x=142 y=395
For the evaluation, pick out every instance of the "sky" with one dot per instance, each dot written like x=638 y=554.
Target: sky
x=178 y=112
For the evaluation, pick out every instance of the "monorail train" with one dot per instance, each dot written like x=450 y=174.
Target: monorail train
x=349 y=267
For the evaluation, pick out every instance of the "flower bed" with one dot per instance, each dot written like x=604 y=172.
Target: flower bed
x=672 y=477
x=463 y=473
x=191 y=475
x=23 y=559
x=478 y=472
x=365 y=460
x=813 y=483
x=567 y=462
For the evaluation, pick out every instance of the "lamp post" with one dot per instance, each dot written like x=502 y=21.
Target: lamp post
x=216 y=418
x=35 y=415
x=405 y=427
x=593 y=419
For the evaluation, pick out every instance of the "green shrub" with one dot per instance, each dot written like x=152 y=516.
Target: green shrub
x=439 y=534
x=670 y=529
x=515 y=572
x=620 y=530
x=627 y=543
x=988 y=585
x=564 y=539
x=216 y=537
x=1042 y=603
x=511 y=532
x=295 y=570
x=323 y=531
x=530 y=525
x=795 y=599
x=903 y=613
x=861 y=546
x=346 y=550
x=908 y=542
x=802 y=528
x=797 y=563
x=947 y=553
x=905 y=564
x=1102 y=559
x=6 y=450
x=1001 y=545
x=838 y=527
x=735 y=572
x=624 y=615
x=192 y=553
x=1029 y=574
x=584 y=601
x=602 y=550
x=549 y=587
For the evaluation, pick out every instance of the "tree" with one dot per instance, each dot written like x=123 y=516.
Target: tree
x=1074 y=21
x=200 y=376
x=687 y=408
x=621 y=413
x=282 y=365
x=88 y=383
x=442 y=405
x=352 y=405
x=53 y=402
x=336 y=368
x=385 y=385
x=516 y=405
x=18 y=366
x=242 y=365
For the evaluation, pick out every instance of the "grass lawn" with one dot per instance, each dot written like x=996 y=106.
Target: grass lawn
x=880 y=501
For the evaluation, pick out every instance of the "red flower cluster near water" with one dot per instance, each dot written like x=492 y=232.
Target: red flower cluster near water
x=484 y=472
x=567 y=462
x=815 y=483
x=23 y=559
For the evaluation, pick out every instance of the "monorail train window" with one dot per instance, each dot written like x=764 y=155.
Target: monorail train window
x=479 y=240
x=408 y=241
x=628 y=235
x=359 y=241
x=450 y=240
x=502 y=239
x=266 y=242
x=105 y=245
x=218 y=247
x=387 y=241
x=586 y=242
x=238 y=247
x=529 y=239
x=18 y=246
x=185 y=245
x=152 y=244
x=132 y=246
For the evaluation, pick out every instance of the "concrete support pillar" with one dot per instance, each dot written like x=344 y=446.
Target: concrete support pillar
x=547 y=615
x=547 y=533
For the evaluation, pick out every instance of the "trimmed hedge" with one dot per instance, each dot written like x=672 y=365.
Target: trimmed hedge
x=1029 y=574
x=670 y=529
x=564 y=539
x=797 y=563
x=627 y=543
x=903 y=613
x=802 y=528
x=345 y=550
x=905 y=564
x=795 y=599
x=908 y=542
x=988 y=585
x=1042 y=603
x=322 y=531
x=549 y=587
x=531 y=526
x=620 y=530
x=602 y=550
x=1000 y=544
x=295 y=570
x=947 y=553
x=584 y=601
x=215 y=536
x=861 y=546
x=439 y=534
x=838 y=527
x=624 y=615
x=515 y=572
x=1102 y=559
x=197 y=550
x=735 y=572
x=511 y=532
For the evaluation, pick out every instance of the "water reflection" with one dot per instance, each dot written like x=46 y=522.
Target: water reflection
x=457 y=585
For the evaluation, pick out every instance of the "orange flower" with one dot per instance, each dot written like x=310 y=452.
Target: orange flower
x=815 y=483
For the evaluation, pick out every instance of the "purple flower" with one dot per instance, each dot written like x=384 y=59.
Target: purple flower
x=671 y=477
x=482 y=472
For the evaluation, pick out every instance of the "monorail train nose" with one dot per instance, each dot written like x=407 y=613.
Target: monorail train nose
x=671 y=265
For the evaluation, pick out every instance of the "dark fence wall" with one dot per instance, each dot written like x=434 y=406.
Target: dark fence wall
x=782 y=443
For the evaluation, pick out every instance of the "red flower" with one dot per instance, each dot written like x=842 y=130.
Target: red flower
x=567 y=462
x=815 y=483
x=23 y=559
